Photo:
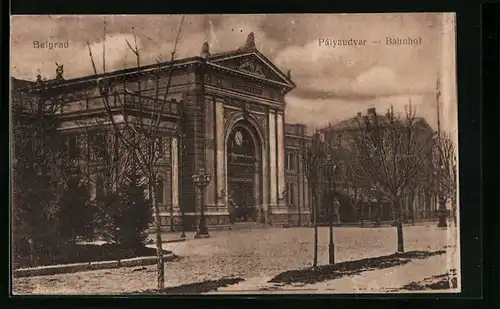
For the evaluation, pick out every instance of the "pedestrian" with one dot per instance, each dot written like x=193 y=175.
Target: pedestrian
x=336 y=209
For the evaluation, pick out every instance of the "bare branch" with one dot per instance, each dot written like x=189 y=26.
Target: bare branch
x=92 y=58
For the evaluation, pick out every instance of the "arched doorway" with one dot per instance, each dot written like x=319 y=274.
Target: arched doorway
x=243 y=159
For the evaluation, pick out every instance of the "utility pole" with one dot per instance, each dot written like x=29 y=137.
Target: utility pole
x=442 y=202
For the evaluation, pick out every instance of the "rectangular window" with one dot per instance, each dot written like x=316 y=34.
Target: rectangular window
x=73 y=146
x=290 y=161
x=160 y=191
x=159 y=147
x=99 y=145
x=290 y=193
x=287 y=196
x=163 y=221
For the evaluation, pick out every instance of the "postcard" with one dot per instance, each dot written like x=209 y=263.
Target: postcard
x=234 y=154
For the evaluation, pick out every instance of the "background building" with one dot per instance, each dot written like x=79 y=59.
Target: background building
x=358 y=199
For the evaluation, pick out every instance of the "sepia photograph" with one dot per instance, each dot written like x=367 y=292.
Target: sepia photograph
x=234 y=154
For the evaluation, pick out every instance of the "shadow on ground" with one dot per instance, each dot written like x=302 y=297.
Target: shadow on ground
x=440 y=282
x=197 y=287
x=350 y=268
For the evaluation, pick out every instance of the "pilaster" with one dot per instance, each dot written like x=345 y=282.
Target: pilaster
x=220 y=145
x=273 y=190
x=209 y=153
x=280 y=132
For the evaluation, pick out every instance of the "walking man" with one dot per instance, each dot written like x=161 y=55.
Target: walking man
x=336 y=210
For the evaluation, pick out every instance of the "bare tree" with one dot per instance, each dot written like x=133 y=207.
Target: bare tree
x=342 y=147
x=391 y=150
x=138 y=116
x=100 y=158
x=348 y=178
x=445 y=148
x=313 y=158
x=320 y=164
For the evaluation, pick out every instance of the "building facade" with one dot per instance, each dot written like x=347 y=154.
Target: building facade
x=225 y=114
x=358 y=199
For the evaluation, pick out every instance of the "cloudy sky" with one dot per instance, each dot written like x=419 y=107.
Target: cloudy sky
x=332 y=83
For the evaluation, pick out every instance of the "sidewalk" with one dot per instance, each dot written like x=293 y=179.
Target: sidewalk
x=393 y=279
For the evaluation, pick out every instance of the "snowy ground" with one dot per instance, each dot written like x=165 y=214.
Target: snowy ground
x=258 y=255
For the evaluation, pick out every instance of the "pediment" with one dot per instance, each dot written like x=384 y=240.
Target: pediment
x=256 y=65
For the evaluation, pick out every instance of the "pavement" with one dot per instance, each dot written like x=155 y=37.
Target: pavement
x=257 y=255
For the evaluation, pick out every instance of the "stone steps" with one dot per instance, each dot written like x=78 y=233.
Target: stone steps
x=247 y=225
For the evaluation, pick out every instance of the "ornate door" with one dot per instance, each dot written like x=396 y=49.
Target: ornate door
x=242 y=166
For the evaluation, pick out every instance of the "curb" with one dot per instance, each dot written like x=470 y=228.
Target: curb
x=174 y=240
x=79 y=267
x=152 y=242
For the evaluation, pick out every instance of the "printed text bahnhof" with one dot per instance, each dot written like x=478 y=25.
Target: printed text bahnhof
x=328 y=42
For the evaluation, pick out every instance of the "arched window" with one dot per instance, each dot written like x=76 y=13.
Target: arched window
x=159 y=192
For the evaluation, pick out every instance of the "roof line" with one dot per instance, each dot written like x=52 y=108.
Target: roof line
x=249 y=75
x=262 y=57
x=273 y=67
x=123 y=72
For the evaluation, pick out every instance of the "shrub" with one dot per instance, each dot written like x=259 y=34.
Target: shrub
x=35 y=186
x=76 y=211
x=125 y=215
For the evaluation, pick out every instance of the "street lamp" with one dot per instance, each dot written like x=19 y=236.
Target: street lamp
x=330 y=168
x=201 y=180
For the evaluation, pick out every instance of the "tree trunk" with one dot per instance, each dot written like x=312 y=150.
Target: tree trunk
x=315 y=222
x=412 y=205
x=361 y=206
x=399 y=225
x=159 y=249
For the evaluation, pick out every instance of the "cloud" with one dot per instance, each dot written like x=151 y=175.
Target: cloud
x=155 y=35
x=317 y=113
x=332 y=83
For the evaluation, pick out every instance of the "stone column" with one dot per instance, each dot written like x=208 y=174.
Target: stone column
x=174 y=156
x=280 y=129
x=209 y=130
x=220 y=145
x=273 y=194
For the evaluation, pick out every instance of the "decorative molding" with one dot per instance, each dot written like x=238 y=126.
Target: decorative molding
x=261 y=120
x=234 y=94
x=251 y=66
x=228 y=114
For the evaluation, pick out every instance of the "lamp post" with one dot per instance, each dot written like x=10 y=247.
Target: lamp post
x=314 y=168
x=201 y=180
x=330 y=168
